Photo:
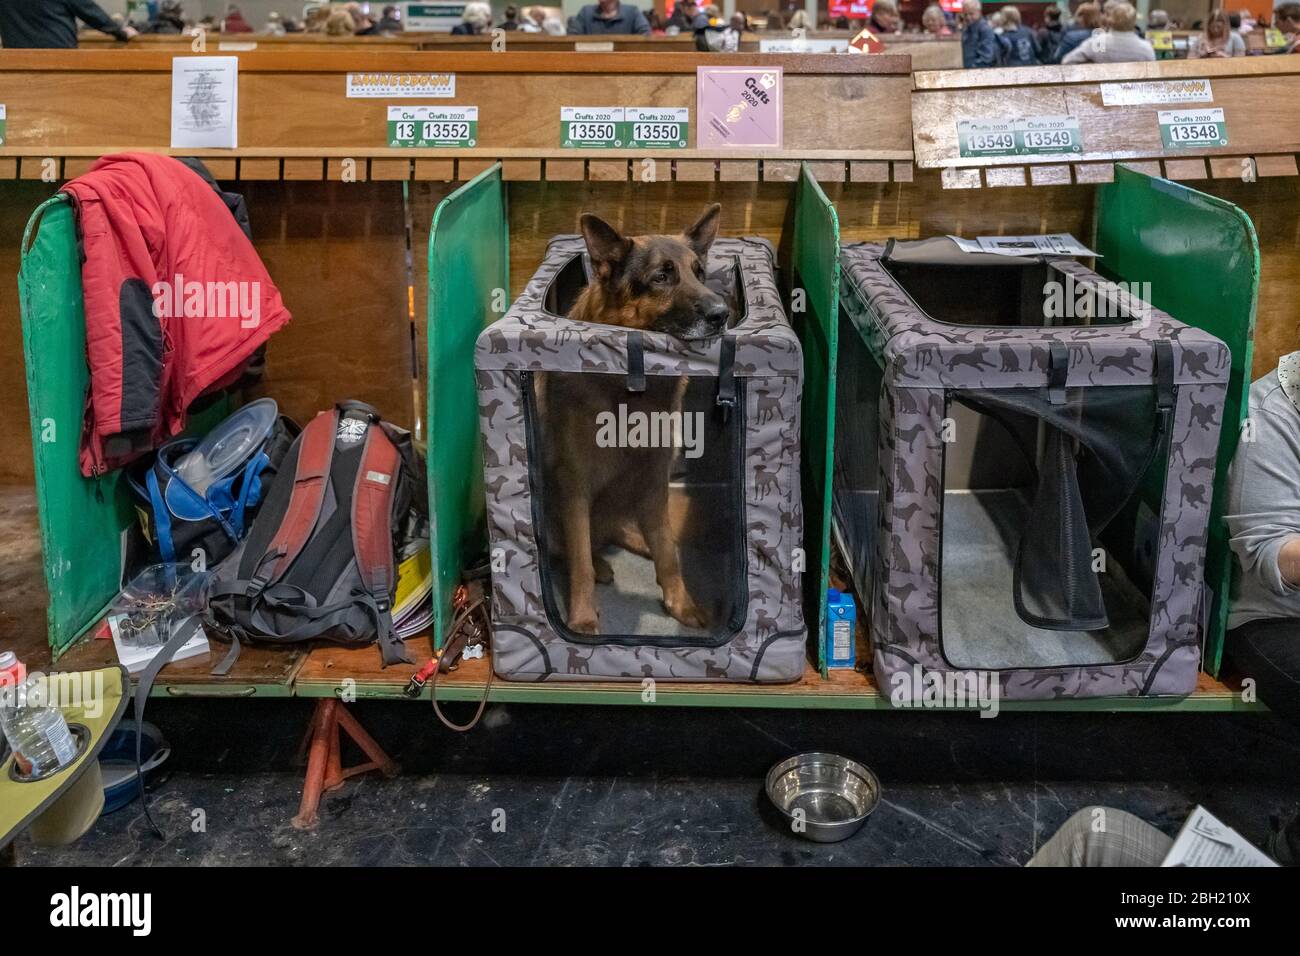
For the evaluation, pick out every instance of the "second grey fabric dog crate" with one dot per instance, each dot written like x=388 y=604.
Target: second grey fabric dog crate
x=734 y=501
x=1024 y=461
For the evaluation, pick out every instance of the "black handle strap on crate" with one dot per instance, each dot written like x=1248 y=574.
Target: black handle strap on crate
x=1058 y=370
x=635 y=362
x=727 y=375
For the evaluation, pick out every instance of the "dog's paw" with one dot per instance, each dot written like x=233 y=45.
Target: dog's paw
x=585 y=623
x=688 y=613
x=604 y=572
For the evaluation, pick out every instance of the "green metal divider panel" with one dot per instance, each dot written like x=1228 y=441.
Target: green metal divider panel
x=815 y=254
x=469 y=273
x=1201 y=256
x=81 y=519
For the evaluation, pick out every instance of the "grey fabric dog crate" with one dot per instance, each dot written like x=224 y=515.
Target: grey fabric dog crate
x=1024 y=461
x=729 y=462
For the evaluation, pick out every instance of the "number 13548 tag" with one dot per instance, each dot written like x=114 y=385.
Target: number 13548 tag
x=1192 y=129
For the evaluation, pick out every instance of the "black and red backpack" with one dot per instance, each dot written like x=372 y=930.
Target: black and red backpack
x=320 y=560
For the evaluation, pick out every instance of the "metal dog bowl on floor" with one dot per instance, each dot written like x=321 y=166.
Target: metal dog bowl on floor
x=824 y=797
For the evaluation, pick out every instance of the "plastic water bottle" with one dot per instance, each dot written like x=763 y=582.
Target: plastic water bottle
x=12 y=671
x=37 y=733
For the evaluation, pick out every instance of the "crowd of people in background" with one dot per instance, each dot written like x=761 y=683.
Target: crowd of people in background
x=1098 y=31
x=1104 y=31
x=335 y=19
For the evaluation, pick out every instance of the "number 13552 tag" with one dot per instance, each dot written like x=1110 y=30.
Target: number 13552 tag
x=426 y=126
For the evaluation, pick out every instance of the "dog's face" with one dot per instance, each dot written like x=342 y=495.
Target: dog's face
x=654 y=283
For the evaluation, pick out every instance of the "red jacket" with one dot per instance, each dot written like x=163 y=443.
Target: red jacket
x=176 y=301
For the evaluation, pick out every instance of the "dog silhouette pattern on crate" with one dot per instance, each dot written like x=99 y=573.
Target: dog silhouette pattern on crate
x=527 y=644
x=922 y=360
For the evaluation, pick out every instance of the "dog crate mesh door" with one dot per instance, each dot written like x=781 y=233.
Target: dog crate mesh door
x=1037 y=483
x=649 y=473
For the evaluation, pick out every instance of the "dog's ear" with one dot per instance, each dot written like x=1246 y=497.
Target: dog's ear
x=701 y=235
x=608 y=249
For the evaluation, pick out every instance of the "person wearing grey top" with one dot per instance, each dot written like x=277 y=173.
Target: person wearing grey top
x=1117 y=43
x=1263 y=518
x=1263 y=641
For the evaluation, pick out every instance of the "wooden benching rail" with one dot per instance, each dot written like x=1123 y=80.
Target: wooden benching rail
x=297 y=123
x=1253 y=92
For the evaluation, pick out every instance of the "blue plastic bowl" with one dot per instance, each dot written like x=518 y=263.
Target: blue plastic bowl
x=117 y=762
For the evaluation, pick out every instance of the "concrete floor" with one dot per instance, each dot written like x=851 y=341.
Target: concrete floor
x=663 y=786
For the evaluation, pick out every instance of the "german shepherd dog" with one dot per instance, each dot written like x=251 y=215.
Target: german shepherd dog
x=619 y=496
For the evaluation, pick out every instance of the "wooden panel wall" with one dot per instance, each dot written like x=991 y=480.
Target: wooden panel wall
x=867 y=211
x=1253 y=93
x=539 y=211
x=17 y=201
x=336 y=251
x=294 y=104
x=1273 y=205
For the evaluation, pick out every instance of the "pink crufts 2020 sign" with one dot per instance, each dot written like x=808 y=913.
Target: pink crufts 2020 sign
x=738 y=106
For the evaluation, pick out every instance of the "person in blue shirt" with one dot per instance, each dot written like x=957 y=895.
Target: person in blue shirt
x=1019 y=45
x=609 y=16
x=1087 y=18
x=979 y=44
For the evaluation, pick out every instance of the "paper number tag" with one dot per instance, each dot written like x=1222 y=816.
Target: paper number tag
x=591 y=128
x=1037 y=135
x=653 y=128
x=986 y=138
x=427 y=126
x=1048 y=134
x=1190 y=129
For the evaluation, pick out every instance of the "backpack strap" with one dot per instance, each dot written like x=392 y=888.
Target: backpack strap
x=309 y=481
x=372 y=534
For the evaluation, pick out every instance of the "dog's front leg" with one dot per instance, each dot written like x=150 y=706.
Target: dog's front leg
x=668 y=571
x=582 y=575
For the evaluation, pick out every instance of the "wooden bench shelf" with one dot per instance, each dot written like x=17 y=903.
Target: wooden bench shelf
x=331 y=671
x=1252 y=92
x=328 y=670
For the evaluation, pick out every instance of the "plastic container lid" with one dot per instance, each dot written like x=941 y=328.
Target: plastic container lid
x=226 y=448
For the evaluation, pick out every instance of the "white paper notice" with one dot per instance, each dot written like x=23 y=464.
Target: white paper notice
x=1139 y=92
x=1206 y=840
x=205 y=101
x=1055 y=244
